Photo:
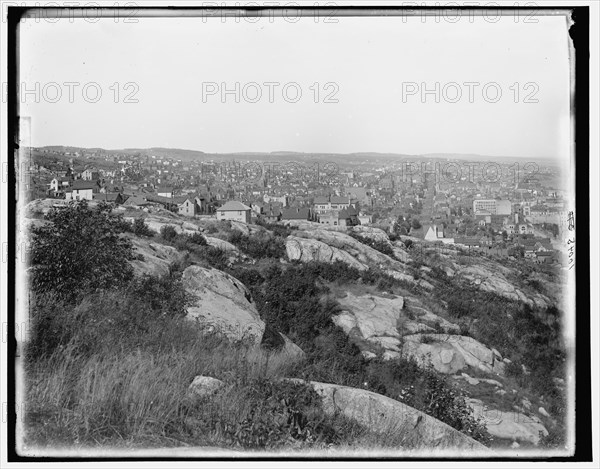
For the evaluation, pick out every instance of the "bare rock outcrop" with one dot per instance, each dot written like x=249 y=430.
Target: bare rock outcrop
x=451 y=353
x=382 y=321
x=222 y=303
x=153 y=258
x=366 y=255
x=371 y=318
x=495 y=282
x=221 y=244
x=306 y=250
x=382 y=414
x=509 y=425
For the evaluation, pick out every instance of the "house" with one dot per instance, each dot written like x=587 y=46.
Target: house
x=234 y=210
x=530 y=254
x=59 y=184
x=545 y=257
x=90 y=174
x=164 y=191
x=136 y=201
x=191 y=206
x=271 y=213
x=112 y=197
x=345 y=217
x=283 y=200
x=322 y=205
x=81 y=190
x=303 y=213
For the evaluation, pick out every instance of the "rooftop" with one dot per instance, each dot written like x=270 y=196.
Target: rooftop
x=233 y=206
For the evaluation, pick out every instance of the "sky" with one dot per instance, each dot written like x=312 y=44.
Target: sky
x=309 y=86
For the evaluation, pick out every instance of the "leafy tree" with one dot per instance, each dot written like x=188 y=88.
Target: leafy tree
x=415 y=224
x=80 y=250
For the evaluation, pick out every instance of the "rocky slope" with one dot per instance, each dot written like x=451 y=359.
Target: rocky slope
x=381 y=324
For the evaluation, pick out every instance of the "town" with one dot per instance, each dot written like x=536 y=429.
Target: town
x=511 y=214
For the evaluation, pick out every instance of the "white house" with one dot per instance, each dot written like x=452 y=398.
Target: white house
x=81 y=190
x=190 y=207
x=234 y=210
x=59 y=184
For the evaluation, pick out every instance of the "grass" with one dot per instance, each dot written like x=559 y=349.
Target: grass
x=139 y=398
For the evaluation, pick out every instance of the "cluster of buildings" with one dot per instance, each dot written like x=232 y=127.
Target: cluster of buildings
x=476 y=214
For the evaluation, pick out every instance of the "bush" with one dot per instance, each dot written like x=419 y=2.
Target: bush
x=80 y=250
x=278 y=413
x=258 y=246
x=140 y=228
x=168 y=233
x=213 y=256
x=377 y=244
x=198 y=238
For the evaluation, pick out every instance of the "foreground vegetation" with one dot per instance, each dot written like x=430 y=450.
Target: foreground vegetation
x=111 y=355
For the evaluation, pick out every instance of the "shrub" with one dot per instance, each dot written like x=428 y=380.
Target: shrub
x=213 y=256
x=278 y=413
x=377 y=244
x=198 y=238
x=80 y=250
x=140 y=228
x=258 y=246
x=168 y=233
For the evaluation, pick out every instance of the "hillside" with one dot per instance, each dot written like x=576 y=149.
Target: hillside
x=452 y=350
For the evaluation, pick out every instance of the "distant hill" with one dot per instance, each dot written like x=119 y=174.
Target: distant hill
x=284 y=155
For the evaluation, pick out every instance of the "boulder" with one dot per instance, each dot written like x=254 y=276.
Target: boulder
x=382 y=414
x=509 y=425
x=543 y=412
x=222 y=303
x=221 y=244
x=204 y=386
x=306 y=250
